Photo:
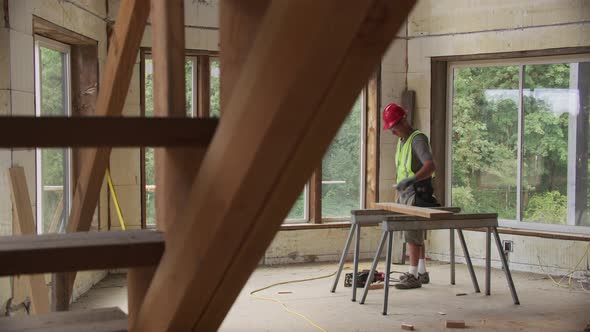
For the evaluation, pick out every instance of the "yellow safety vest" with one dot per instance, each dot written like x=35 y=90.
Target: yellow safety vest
x=403 y=157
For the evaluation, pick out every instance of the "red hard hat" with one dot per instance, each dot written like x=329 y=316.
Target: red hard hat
x=392 y=114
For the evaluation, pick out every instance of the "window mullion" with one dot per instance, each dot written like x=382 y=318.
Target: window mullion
x=520 y=142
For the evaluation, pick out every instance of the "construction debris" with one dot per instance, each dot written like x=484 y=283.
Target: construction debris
x=376 y=286
x=407 y=327
x=455 y=324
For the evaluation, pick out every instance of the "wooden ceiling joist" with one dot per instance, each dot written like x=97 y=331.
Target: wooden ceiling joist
x=295 y=89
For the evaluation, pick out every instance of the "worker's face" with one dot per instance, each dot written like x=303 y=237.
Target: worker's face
x=399 y=129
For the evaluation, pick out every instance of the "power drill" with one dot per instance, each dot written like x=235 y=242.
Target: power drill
x=361 y=278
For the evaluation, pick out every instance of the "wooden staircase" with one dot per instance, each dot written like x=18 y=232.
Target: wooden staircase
x=291 y=71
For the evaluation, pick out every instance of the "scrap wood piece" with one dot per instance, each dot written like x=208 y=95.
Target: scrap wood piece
x=455 y=324
x=413 y=210
x=407 y=327
x=26 y=224
x=376 y=286
x=290 y=113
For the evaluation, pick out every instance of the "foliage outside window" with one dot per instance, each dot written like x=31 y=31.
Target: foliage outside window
x=191 y=78
x=511 y=149
x=341 y=168
x=52 y=99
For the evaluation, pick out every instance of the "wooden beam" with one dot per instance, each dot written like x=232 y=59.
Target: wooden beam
x=438 y=132
x=290 y=114
x=413 y=210
x=96 y=320
x=204 y=86
x=26 y=225
x=122 y=53
x=79 y=251
x=373 y=114
x=52 y=132
x=240 y=21
x=315 y=196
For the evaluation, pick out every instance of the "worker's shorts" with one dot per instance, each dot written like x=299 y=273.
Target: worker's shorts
x=417 y=199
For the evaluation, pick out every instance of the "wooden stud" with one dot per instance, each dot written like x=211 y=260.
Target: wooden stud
x=122 y=53
x=51 y=132
x=283 y=118
x=412 y=210
x=79 y=251
x=26 y=223
x=315 y=196
x=438 y=131
x=373 y=114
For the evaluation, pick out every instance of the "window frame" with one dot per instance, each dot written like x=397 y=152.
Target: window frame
x=43 y=42
x=521 y=62
x=195 y=57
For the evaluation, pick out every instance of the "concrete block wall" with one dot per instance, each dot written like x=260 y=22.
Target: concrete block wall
x=464 y=27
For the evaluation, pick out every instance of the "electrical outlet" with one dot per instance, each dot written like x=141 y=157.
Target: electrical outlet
x=508 y=245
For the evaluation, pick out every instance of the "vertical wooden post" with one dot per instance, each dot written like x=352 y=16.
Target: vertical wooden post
x=372 y=153
x=315 y=196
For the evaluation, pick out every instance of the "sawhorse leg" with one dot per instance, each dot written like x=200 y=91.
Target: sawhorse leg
x=387 y=271
x=488 y=260
x=468 y=260
x=452 y=254
x=374 y=266
x=355 y=271
x=505 y=265
x=343 y=257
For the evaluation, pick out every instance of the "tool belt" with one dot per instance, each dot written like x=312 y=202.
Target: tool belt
x=425 y=194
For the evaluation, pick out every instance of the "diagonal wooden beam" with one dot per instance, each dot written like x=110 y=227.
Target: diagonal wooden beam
x=123 y=48
x=298 y=85
x=377 y=30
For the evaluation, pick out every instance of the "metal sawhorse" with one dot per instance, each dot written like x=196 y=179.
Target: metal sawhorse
x=370 y=217
x=458 y=222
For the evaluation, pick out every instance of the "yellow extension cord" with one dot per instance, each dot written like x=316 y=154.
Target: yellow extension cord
x=283 y=304
x=115 y=200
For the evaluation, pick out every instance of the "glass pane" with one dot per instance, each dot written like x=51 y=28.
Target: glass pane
x=53 y=161
x=547 y=103
x=341 y=168
x=485 y=139
x=149 y=87
x=150 y=180
x=298 y=210
x=214 y=100
x=188 y=80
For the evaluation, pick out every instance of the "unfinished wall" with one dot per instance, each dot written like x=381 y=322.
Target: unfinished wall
x=462 y=27
x=17 y=93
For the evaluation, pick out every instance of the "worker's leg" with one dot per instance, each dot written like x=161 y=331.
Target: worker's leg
x=414 y=257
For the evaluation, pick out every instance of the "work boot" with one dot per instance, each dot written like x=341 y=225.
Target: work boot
x=423 y=277
x=408 y=282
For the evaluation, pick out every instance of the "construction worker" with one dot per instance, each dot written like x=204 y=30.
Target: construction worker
x=415 y=170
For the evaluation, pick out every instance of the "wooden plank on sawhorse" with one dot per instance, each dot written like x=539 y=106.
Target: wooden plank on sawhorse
x=423 y=212
x=368 y=217
x=26 y=223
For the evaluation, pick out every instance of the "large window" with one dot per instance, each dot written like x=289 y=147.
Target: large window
x=52 y=98
x=519 y=140
x=193 y=80
x=340 y=185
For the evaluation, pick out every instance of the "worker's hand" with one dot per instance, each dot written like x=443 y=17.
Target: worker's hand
x=405 y=183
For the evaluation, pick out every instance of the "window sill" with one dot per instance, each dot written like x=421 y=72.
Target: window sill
x=539 y=234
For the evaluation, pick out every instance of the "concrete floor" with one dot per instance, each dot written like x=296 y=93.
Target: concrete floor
x=544 y=306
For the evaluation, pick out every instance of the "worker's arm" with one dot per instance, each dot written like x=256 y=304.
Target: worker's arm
x=426 y=171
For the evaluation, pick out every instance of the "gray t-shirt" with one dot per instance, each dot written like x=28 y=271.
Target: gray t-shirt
x=420 y=151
